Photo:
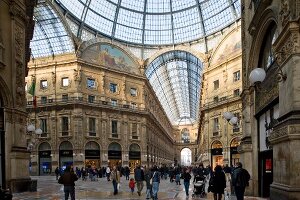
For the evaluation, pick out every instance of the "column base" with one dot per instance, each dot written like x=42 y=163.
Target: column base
x=22 y=185
x=284 y=192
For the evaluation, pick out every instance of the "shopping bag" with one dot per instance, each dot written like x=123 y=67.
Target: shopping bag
x=118 y=186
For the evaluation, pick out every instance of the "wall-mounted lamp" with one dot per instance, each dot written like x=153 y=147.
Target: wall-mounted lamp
x=230 y=118
x=81 y=154
x=33 y=134
x=258 y=75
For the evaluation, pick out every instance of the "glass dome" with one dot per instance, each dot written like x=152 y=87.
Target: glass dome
x=153 y=22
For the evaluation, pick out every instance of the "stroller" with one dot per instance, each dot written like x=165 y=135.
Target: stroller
x=199 y=187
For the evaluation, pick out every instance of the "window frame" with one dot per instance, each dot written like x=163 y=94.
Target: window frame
x=216 y=84
x=113 y=87
x=43 y=84
x=63 y=81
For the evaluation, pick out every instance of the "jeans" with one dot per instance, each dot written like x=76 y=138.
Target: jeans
x=69 y=190
x=148 y=193
x=186 y=187
x=115 y=185
x=155 y=188
x=239 y=192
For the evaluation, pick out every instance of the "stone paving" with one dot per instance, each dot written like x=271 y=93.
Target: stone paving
x=49 y=189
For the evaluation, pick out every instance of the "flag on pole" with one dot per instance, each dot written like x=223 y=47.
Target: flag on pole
x=32 y=92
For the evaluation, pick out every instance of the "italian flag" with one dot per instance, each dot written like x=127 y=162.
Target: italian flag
x=32 y=92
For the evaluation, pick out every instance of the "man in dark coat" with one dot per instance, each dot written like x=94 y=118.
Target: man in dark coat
x=139 y=178
x=68 y=180
x=240 y=179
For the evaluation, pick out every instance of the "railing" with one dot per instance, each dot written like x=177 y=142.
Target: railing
x=186 y=141
x=83 y=101
x=222 y=100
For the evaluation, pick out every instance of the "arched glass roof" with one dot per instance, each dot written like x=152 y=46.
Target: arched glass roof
x=50 y=36
x=153 y=22
x=176 y=79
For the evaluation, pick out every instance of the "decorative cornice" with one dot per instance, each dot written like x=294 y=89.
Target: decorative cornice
x=286 y=132
x=287 y=42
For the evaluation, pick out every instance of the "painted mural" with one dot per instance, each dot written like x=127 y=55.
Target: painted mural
x=229 y=47
x=110 y=57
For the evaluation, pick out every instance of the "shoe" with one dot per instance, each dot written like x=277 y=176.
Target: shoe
x=139 y=193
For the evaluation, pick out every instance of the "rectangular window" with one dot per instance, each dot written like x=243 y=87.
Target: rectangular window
x=113 y=87
x=91 y=84
x=44 y=84
x=64 y=97
x=236 y=92
x=64 y=126
x=134 y=131
x=43 y=126
x=236 y=76
x=114 y=128
x=114 y=102
x=91 y=99
x=92 y=126
x=133 y=105
x=65 y=82
x=43 y=100
x=216 y=84
x=216 y=126
x=133 y=92
x=216 y=99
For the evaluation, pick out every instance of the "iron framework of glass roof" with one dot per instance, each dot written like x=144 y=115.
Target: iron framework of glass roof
x=50 y=36
x=153 y=22
x=176 y=79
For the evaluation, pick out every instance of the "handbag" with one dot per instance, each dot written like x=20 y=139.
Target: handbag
x=118 y=186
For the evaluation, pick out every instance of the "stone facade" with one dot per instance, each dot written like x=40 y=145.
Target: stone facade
x=222 y=85
x=280 y=85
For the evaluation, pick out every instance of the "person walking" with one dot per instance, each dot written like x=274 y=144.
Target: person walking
x=218 y=183
x=127 y=172
x=57 y=172
x=186 y=180
x=132 y=185
x=155 y=182
x=148 y=180
x=108 y=173
x=68 y=180
x=139 y=178
x=115 y=177
x=240 y=179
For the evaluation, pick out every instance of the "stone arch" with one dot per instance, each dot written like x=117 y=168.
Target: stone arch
x=5 y=95
x=266 y=19
x=134 y=147
x=65 y=145
x=186 y=156
x=216 y=144
x=201 y=56
x=92 y=145
x=114 y=146
x=44 y=146
x=235 y=142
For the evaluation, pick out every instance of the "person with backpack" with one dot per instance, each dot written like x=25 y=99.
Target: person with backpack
x=240 y=179
x=217 y=183
x=68 y=180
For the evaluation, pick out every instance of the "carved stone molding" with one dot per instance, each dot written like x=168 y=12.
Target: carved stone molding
x=284 y=12
x=284 y=133
x=287 y=42
x=17 y=11
x=2 y=51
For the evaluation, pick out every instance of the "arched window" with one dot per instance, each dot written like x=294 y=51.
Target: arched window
x=185 y=135
x=44 y=146
x=267 y=56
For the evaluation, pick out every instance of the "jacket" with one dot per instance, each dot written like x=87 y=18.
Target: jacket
x=68 y=179
x=240 y=177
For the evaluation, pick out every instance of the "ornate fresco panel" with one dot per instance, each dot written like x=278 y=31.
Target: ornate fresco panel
x=111 y=57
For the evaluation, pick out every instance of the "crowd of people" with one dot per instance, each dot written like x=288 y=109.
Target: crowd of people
x=216 y=178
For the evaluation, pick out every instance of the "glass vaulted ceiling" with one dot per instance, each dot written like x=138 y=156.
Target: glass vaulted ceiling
x=153 y=22
x=176 y=79
x=50 y=36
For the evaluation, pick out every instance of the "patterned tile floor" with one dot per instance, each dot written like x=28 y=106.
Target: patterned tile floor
x=49 y=189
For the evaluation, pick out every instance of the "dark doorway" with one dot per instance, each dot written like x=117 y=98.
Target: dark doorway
x=266 y=172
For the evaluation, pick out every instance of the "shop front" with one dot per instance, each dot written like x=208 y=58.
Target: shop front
x=114 y=154
x=134 y=156
x=216 y=154
x=45 y=160
x=65 y=155
x=234 y=154
x=92 y=155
